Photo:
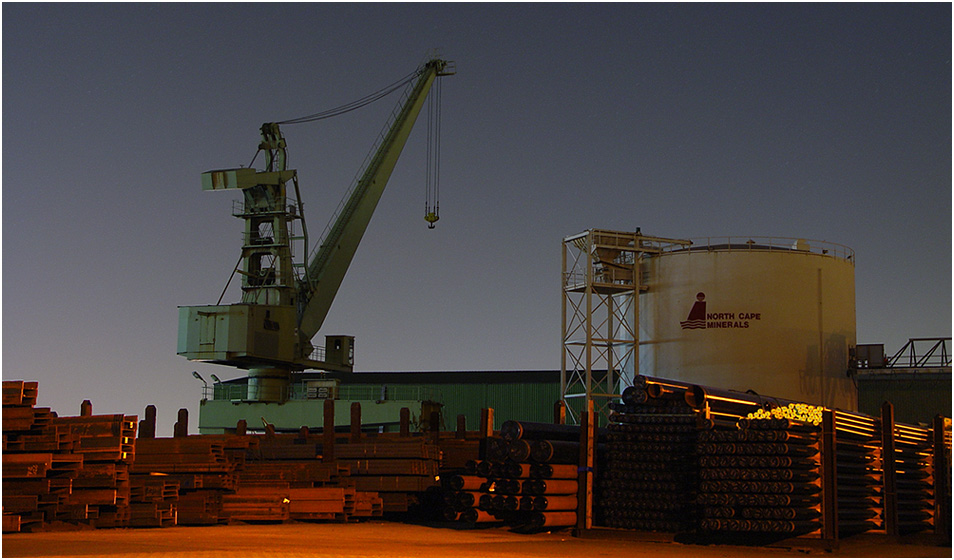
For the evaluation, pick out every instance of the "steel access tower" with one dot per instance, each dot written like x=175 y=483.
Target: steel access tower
x=602 y=279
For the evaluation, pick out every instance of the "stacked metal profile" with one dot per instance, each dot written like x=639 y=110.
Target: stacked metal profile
x=762 y=477
x=914 y=478
x=199 y=467
x=860 y=473
x=395 y=469
x=73 y=470
x=648 y=480
x=527 y=480
x=275 y=477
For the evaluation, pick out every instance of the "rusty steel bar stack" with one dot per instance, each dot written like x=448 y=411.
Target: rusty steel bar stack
x=72 y=470
x=763 y=477
x=648 y=479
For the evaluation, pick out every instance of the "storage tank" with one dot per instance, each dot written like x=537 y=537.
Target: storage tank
x=775 y=316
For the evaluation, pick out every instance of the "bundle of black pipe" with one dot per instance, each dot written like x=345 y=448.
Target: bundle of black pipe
x=647 y=480
x=513 y=430
x=509 y=492
x=527 y=479
x=747 y=485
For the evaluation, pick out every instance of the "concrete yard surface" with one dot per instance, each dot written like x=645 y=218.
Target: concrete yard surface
x=390 y=539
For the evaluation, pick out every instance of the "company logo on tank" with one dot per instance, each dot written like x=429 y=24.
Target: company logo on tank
x=700 y=318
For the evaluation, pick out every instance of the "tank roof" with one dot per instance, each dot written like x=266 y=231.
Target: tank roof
x=765 y=244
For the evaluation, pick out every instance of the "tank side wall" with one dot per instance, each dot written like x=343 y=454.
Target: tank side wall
x=778 y=323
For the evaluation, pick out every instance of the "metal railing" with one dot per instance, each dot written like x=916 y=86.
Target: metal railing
x=300 y=392
x=937 y=355
x=766 y=244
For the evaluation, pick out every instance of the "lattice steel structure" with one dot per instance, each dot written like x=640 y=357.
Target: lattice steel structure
x=601 y=287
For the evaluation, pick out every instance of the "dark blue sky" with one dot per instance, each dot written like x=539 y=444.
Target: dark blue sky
x=829 y=122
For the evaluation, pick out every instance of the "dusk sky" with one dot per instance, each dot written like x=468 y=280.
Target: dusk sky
x=826 y=122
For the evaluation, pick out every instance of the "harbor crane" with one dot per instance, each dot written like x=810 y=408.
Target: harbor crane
x=284 y=303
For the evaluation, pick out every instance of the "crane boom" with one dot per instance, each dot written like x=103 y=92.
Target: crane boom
x=327 y=269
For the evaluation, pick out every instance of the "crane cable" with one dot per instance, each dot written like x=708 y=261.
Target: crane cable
x=432 y=182
x=357 y=104
x=348 y=107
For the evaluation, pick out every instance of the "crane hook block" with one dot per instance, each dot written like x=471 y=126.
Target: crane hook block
x=430 y=218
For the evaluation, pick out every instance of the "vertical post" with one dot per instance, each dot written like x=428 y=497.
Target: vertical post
x=86 y=408
x=888 y=467
x=486 y=422
x=147 y=428
x=461 y=426
x=241 y=427
x=637 y=289
x=405 y=422
x=181 y=428
x=559 y=412
x=303 y=434
x=942 y=469
x=829 y=477
x=328 y=433
x=584 y=508
x=588 y=322
x=436 y=427
x=355 y=422
x=564 y=281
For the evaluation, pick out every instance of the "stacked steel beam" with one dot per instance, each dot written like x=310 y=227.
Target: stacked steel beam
x=153 y=502
x=30 y=487
x=527 y=480
x=285 y=468
x=107 y=445
x=860 y=473
x=67 y=469
x=914 y=478
x=763 y=477
x=198 y=466
x=397 y=469
x=647 y=481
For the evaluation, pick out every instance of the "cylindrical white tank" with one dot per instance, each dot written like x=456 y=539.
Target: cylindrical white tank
x=776 y=316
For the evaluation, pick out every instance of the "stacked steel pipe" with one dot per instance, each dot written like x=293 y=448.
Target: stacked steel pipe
x=648 y=480
x=860 y=477
x=527 y=479
x=914 y=478
x=763 y=477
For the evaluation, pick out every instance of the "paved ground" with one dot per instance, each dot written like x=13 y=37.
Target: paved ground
x=388 y=539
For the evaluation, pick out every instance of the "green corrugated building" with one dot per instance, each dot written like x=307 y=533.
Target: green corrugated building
x=514 y=395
